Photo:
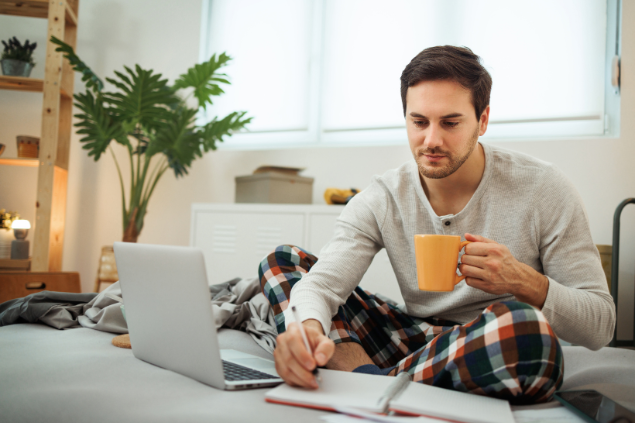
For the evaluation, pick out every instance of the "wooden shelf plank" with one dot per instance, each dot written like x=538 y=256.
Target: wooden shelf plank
x=71 y=17
x=21 y=83
x=19 y=161
x=29 y=8
x=15 y=265
x=34 y=9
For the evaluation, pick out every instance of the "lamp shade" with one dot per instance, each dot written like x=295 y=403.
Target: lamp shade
x=20 y=224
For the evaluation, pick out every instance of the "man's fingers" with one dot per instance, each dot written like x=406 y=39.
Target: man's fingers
x=282 y=367
x=288 y=367
x=472 y=271
x=478 y=238
x=298 y=349
x=300 y=375
x=477 y=249
x=475 y=283
x=324 y=350
x=473 y=260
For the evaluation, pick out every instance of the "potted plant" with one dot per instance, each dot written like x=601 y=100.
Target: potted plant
x=17 y=59
x=152 y=121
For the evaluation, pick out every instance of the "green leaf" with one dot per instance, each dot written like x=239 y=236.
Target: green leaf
x=97 y=124
x=143 y=98
x=215 y=130
x=178 y=141
x=182 y=142
x=91 y=80
x=204 y=79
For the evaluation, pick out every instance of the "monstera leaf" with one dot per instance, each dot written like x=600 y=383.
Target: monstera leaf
x=91 y=80
x=178 y=141
x=143 y=97
x=214 y=131
x=204 y=79
x=98 y=124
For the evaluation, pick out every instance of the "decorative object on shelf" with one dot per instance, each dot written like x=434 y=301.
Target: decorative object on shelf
x=274 y=184
x=107 y=269
x=6 y=234
x=279 y=169
x=339 y=196
x=20 y=246
x=17 y=59
x=155 y=125
x=1 y=149
x=28 y=147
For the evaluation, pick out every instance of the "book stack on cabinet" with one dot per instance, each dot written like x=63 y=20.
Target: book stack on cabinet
x=52 y=163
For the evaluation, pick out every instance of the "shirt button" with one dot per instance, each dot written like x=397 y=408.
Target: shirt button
x=447 y=223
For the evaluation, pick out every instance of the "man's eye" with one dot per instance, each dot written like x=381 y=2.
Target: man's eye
x=420 y=123
x=451 y=124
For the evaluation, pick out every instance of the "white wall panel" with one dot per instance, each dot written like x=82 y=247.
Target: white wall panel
x=236 y=237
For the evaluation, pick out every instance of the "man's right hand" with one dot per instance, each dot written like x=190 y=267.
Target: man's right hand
x=294 y=363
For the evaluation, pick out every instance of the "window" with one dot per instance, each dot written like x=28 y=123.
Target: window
x=326 y=72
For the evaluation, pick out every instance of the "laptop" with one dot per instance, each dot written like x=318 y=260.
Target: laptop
x=171 y=322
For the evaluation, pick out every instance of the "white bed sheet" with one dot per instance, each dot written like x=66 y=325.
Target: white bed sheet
x=77 y=375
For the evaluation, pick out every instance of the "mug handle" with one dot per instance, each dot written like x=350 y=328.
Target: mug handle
x=460 y=278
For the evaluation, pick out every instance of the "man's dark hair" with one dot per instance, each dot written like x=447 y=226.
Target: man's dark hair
x=449 y=63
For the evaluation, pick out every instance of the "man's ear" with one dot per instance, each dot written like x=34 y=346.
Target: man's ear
x=483 y=122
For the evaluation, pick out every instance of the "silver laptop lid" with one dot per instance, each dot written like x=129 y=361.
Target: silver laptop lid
x=168 y=309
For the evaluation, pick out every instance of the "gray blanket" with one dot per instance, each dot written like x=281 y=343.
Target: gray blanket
x=238 y=304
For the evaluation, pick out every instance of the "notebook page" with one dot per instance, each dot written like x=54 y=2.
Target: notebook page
x=452 y=405
x=337 y=389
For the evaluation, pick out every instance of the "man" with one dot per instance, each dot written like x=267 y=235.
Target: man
x=533 y=274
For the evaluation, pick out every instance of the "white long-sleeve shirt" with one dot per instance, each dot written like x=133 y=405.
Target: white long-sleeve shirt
x=521 y=202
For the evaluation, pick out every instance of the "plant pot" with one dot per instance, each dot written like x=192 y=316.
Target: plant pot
x=12 y=67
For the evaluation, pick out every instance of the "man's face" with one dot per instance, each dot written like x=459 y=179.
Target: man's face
x=442 y=126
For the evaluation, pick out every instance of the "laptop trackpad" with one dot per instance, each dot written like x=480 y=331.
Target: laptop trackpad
x=260 y=364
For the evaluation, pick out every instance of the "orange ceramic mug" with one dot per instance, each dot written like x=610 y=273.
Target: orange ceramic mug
x=437 y=257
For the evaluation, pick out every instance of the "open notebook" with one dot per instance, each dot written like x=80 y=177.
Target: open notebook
x=368 y=392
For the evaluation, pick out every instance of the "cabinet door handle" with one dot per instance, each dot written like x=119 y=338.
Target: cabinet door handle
x=35 y=285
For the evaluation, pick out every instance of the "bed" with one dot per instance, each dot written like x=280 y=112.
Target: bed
x=49 y=375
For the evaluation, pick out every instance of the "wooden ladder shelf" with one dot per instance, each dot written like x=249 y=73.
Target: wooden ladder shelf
x=57 y=105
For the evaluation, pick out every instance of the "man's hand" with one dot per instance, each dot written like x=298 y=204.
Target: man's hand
x=490 y=267
x=294 y=363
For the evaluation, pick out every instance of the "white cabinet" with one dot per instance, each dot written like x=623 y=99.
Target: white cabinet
x=236 y=237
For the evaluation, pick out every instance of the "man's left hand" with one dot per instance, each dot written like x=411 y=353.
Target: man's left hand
x=491 y=267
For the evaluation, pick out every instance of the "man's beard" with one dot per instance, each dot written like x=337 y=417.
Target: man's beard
x=455 y=161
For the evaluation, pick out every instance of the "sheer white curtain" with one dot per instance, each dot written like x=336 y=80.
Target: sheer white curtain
x=328 y=70
x=269 y=42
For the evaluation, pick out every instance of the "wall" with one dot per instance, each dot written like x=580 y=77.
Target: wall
x=155 y=35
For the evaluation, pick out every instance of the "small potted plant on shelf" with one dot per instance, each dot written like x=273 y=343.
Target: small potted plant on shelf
x=17 y=59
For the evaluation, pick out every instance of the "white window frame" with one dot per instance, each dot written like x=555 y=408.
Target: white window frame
x=314 y=136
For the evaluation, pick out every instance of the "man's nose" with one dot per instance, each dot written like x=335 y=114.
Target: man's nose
x=433 y=137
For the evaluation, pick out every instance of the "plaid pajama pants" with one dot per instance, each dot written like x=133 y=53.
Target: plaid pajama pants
x=508 y=352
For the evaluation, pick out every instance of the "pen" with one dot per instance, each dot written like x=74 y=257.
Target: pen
x=402 y=380
x=306 y=340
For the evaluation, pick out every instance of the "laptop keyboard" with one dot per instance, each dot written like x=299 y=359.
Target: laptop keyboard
x=237 y=372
